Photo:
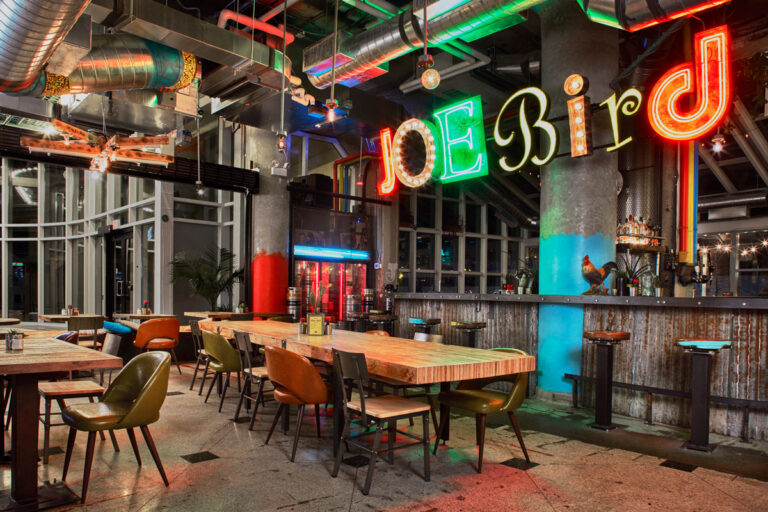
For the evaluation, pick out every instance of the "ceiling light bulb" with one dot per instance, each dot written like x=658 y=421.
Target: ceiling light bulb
x=331 y=115
x=430 y=78
x=717 y=147
x=718 y=142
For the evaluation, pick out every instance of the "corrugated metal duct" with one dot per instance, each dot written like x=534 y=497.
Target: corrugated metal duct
x=634 y=15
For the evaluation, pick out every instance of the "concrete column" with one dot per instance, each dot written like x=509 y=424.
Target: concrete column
x=578 y=195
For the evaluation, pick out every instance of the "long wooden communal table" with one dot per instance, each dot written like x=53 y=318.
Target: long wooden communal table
x=40 y=356
x=408 y=361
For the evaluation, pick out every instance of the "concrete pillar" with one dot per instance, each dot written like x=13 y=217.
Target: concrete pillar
x=578 y=195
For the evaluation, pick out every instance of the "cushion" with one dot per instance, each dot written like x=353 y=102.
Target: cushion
x=116 y=328
x=95 y=416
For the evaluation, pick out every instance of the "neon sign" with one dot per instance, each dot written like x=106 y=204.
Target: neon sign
x=579 y=116
x=629 y=103
x=546 y=127
x=463 y=139
x=711 y=88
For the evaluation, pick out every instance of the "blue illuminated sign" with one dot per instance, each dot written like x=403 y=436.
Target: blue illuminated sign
x=329 y=253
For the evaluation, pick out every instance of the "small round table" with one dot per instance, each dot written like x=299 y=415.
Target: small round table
x=604 y=341
x=701 y=357
x=9 y=321
x=425 y=325
x=468 y=332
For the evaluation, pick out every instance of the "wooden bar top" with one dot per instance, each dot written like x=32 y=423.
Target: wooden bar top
x=44 y=355
x=62 y=319
x=408 y=361
x=142 y=316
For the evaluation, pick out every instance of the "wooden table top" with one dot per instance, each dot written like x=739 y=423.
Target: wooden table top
x=45 y=355
x=409 y=361
x=9 y=321
x=62 y=319
x=138 y=316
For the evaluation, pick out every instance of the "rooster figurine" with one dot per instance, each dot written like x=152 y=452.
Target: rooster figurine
x=595 y=276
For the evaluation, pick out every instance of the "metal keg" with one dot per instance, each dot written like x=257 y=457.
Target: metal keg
x=367 y=300
x=294 y=302
x=351 y=304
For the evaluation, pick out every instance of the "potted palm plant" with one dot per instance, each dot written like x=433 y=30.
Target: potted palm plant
x=208 y=274
x=634 y=272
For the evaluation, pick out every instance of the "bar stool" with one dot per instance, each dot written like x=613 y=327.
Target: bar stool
x=605 y=341
x=701 y=357
x=425 y=325
x=359 y=321
x=383 y=322
x=468 y=332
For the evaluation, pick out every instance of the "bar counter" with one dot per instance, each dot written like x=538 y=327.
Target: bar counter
x=649 y=358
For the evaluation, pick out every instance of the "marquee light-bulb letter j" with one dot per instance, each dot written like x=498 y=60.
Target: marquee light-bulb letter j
x=708 y=78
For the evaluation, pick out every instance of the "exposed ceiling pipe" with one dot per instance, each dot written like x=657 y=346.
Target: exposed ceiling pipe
x=256 y=24
x=634 y=15
x=373 y=11
x=277 y=10
x=369 y=51
x=475 y=60
x=30 y=30
x=713 y=166
x=749 y=198
x=749 y=152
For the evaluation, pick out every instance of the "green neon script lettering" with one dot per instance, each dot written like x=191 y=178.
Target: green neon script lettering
x=545 y=126
x=463 y=145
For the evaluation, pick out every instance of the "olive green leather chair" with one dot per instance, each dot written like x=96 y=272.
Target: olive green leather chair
x=132 y=400
x=224 y=358
x=471 y=396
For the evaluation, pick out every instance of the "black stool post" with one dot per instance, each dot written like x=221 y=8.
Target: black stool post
x=700 y=363
x=604 y=387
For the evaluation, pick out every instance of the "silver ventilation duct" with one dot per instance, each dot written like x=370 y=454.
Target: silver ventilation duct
x=365 y=55
x=633 y=15
x=30 y=30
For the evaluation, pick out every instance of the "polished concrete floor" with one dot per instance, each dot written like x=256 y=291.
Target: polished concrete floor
x=571 y=470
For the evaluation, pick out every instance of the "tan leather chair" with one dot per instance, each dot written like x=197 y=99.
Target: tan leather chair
x=377 y=333
x=159 y=334
x=297 y=382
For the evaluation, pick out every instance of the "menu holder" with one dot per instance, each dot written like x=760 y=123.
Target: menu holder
x=315 y=324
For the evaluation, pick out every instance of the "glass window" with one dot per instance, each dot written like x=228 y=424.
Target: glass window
x=404 y=206
x=55 y=272
x=513 y=257
x=53 y=232
x=494 y=256
x=425 y=251
x=25 y=232
x=146 y=212
x=99 y=182
x=22 y=281
x=425 y=212
x=122 y=185
x=146 y=188
x=78 y=274
x=449 y=283
x=188 y=191
x=451 y=216
x=23 y=193
x=53 y=207
x=425 y=283
x=471 y=284
x=404 y=249
x=472 y=254
x=449 y=253
x=452 y=190
x=494 y=224
x=195 y=211
x=79 y=177
x=404 y=282
x=473 y=220
x=493 y=283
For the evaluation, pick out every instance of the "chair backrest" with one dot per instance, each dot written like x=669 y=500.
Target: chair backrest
x=352 y=369
x=222 y=351
x=378 y=333
x=241 y=316
x=141 y=385
x=295 y=374
x=519 y=382
x=194 y=328
x=111 y=344
x=157 y=328
x=244 y=346
x=423 y=336
x=85 y=323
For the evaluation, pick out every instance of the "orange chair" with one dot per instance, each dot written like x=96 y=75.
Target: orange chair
x=297 y=382
x=377 y=333
x=159 y=334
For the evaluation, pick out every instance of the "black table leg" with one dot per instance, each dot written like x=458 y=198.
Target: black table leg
x=338 y=411
x=700 y=362
x=604 y=387
x=444 y=413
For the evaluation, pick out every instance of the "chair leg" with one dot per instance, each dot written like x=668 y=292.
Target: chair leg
x=340 y=451
x=317 y=419
x=427 y=472
x=46 y=430
x=513 y=420
x=224 y=392
x=372 y=459
x=153 y=451
x=194 y=374
x=88 y=463
x=259 y=395
x=391 y=435
x=432 y=410
x=298 y=431
x=114 y=441
x=132 y=437
x=441 y=427
x=205 y=374
x=210 y=388
x=90 y=399
x=175 y=360
x=274 y=421
x=68 y=456
x=246 y=389
x=480 y=425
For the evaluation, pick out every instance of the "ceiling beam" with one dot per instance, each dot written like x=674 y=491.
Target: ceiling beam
x=746 y=147
x=713 y=166
x=755 y=135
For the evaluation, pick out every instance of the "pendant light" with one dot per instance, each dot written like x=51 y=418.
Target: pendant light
x=331 y=103
x=430 y=77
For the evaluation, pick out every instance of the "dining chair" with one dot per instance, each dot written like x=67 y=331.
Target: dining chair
x=471 y=396
x=78 y=323
x=200 y=354
x=223 y=359
x=377 y=333
x=159 y=334
x=296 y=382
x=132 y=400
x=251 y=375
x=373 y=412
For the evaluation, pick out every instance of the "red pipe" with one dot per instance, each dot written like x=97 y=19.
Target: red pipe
x=227 y=15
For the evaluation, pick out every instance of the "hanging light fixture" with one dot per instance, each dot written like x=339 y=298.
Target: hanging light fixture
x=430 y=77
x=718 y=142
x=331 y=103
x=282 y=134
